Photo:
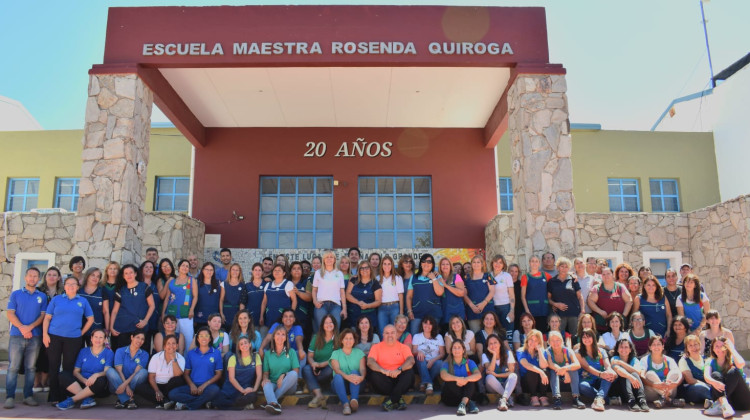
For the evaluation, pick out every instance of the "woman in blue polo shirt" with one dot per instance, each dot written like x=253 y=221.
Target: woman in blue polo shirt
x=92 y=291
x=62 y=332
x=203 y=367
x=131 y=369
x=423 y=294
x=134 y=305
x=460 y=376
x=209 y=295
x=88 y=380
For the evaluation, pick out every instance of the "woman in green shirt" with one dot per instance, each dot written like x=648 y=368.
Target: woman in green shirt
x=317 y=368
x=280 y=371
x=347 y=362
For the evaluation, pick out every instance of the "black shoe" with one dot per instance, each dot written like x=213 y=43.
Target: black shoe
x=131 y=405
x=401 y=404
x=633 y=405
x=577 y=403
x=472 y=408
x=644 y=406
x=388 y=405
x=557 y=403
x=119 y=405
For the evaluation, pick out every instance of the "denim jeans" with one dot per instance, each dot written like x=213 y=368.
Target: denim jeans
x=502 y=312
x=555 y=382
x=273 y=392
x=328 y=307
x=22 y=350
x=115 y=381
x=426 y=375
x=312 y=380
x=339 y=385
x=387 y=315
x=414 y=325
x=193 y=402
x=597 y=388
x=696 y=393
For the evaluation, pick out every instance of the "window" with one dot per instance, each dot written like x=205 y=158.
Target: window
x=24 y=260
x=23 y=194
x=623 y=195
x=172 y=193
x=665 y=195
x=395 y=212
x=506 y=194
x=614 y=258
x=66 y=193
x=659 y=269
x=660 y=261
x=296 y=212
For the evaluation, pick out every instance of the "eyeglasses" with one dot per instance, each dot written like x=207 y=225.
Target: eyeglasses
x=428 y=261
x=363 y=268
x=637 y=319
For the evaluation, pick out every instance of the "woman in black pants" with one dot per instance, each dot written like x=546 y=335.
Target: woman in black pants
x=165 y=371
x=460 y=376
x=724 y=373
x=628 y=384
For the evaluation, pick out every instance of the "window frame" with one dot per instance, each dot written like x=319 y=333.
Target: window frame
x=25 y=194
x=74 y=196
x=173 y=194
x=662 y=196
x=622 y=195
x=508 y=195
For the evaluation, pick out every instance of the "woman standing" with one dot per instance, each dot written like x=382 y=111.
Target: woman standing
x=280 y=370
x=255 y=293
x=392 y=298
x=146 y=271
x=165 y=274
x=76 y=265
x=233 y=295
x=405 y=269
x=460 y=376
x=623 y=272
x=108 y=291
x=533 y=369
x=563 y=364
x=374 y=261
x=318 y=366
x=242 y=326
x=607 y=297
x=453 y=297
x=661 y=375
x=181 y=296
x=644 y=273
x=515 y=273
x=423 y=294
x=130 y=370
x=348 y=364
x=654 y=306
x=62 y=333
x=365 y=295
x=88 y=379
x=596 y=374
x=714 y=330
x=534 y=292
x=693 y=303
x=480 y=288
x=457 y=332
x=634 y=286
x=564 y=295
x=134 y=305
x=500 y=367
x=203 y=368
x=505 y=297
x=169 y=326
x=692 y=364
x=639 y=335
x=628 y=383
x=209 y=295
x=365 y=335
x=303 y=289
x=244 y=372
x=724 y=373
x=278 y=295
x=345 y=266
x=678 y=330
x=165 y=371
x=428 y=348
x=51 y=286
x=92 y=292
x=329 y=294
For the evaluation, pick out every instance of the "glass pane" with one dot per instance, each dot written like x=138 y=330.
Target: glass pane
x=421 y=185
x=182 y=185
x=306 y=203
x=268 y=204
x=17 y=187
x=403 y=185
x=66 y=203
x=505 y=186
x=31 y=202
x=629 y=188
x=286 y=222
x=66 y=187
x=385 y=185
x=404 y=240
x=15 y=204
x=33 y=187
x=324 y=240
x=181 y=202
x=366 y=204
x=269 y=186
x=268 y=222
x=306 y=185
x=164 y=203
x=656 y=204
x=615 y=204
x=421 y=203
x=325 y=186
x=286 y=240
x=614 y=188
x=403 y=221
x=324 y=221
x=385 y=203
x=403 y=203
x=366 y=221
x=267 y=240
x=288 y=186
x=422 y=221
x=367 y=240
x=385 y=221
x=305 y=222
x=671 y=204
x=305 y=240
x=655 y=187
x=287 y=204
x=631 y=204
x=367 y=186
x=386 y=240
x=166 y=186
x=325 y=204
x=669 y=188
x=424 y=240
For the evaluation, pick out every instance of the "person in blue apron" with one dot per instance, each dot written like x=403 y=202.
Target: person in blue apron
x=693 y=303
x=209 y=295
x=303 y=289
x=181 y=299
x=278 y=295
x=233 y=296
x=453 y=297
x=133 y=307
x=423 y=296
x=365 y=294
x=91 y=290
x=534 y=293
x=694 y=388
x=654 y=306
x=255 y=293
x=147 y=272
x=480 y=289
x=596 y=375
x=244 y=372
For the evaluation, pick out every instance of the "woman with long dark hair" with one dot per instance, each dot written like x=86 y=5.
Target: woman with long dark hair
x=88 y=379
x=723 y=372
x=51 y=285
x=460 y=376
x=166 y=272
x=534 y=292
x=365 y=295
x=423 y=294
x=304 y=311
x=165 y=371
x=209 y=295
x=254 y=290
x=130 y=370
x=365 y=335
x=244 y=373
x=500 y=367
x=279 y=295
x=280 y=370
x=654 y=306
x=318 y=367
x=428 y=348
x=693 y=304
x=147 y=272
x=661 y=375
x=628 y=384
x=714 y=330
x=348 y=364
x=678 y=331
x=134 y=305
x=392 y=285
x=596 y=374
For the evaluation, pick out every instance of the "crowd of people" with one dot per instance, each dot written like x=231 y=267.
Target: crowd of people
x=192 y=336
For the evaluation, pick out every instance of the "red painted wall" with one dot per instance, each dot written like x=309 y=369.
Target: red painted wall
x=227 y=171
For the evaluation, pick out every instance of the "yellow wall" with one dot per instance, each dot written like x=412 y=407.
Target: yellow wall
x=49 y=155
x=599 y=155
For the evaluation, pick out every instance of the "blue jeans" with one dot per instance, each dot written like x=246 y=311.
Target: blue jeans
x=597 y=388
x=387 y=315
x=312 y=380
x=328 y=307
x=272 y=392
x=115 y=381
x=696 y=393
x=26 y=350
x=414 y=325
x=193 y=402
x=426 y=375
x=339 y=385
x=555 y=381
x=502 y=312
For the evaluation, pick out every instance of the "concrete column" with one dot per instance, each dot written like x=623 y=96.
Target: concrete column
x=109 y=223
x=542 y=173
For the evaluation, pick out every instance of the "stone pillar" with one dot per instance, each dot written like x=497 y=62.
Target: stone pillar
x=542 y=173
x=112 y=191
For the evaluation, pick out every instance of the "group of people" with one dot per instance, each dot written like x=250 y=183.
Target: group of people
x=192 y=336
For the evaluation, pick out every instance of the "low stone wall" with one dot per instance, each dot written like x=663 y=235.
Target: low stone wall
x=174 y=234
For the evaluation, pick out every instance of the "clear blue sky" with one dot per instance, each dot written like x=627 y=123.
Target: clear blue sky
x=626 y=60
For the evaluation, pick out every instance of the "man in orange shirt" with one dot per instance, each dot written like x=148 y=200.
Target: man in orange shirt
x=391 y=372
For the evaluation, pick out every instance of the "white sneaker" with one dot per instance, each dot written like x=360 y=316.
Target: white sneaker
x=726 y=410
x=714 y=410
x=179 y=406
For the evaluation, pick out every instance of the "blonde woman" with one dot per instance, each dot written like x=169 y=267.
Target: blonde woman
x=533 y=368
x=329 y=291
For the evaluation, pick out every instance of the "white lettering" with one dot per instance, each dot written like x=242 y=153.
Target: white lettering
x=315 y=48
x=344 y=150
x=371 y=152
x=239 y=49
x=218 y=49
x=170 y=49
x=336 y=47
x=507 y=49
x=148 y=49
x=358 y=147
x=386 y=149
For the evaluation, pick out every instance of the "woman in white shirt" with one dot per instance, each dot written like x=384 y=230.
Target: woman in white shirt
x=428 y=348
x=393 y=293
x=329 y=294
x=504 y=298
x=164 y=374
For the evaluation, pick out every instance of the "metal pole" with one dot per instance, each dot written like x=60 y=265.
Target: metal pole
x=705 y=33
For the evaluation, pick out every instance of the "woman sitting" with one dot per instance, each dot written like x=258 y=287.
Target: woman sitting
x=723 y=372
x=584 y=322
x=404 y=336
x=527 y=322
x=242 y=326
x=318 y=367
x=131 y=370
x=534 y=380
x=169 y=323
x=500 y=366
x=660 y=375
x=460 y=375
x=428 y=348
x=490 y=325
x=692 y=364
x=639 y=335
x=244 y=372
x=280 y=370
x=203 y=368
x=563 y=364
x=714 y=329
x=596 y=374
x=365 y=335
x=349 y=367
x=678 y=330
x=615 y=324
x=457 y=331
x=628 y=384
x=89 y=377
x=165 y=371
x=294 y=332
